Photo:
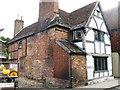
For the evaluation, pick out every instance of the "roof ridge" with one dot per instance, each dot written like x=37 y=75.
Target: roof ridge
x=84 y=6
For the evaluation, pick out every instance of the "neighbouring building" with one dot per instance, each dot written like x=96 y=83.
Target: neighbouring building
x=64 y=49
x=2 y=43
x=18 y=26
x=113 y=21
x=2 y=56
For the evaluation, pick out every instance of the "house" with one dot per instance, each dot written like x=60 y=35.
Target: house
x=112 y=20
x=2 y=56
x=2 y=43
x=64 y=49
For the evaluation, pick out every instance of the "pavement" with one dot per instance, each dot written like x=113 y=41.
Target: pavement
x=106 y=84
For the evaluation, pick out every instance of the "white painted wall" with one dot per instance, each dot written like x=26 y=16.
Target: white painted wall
x=110 y=65
x=92 y=23
x=100 y=48
x=97 y=47
x=79 y=44
x=90 y=35
x=103 y=28
x=107 y=39
x=90 y=47
x=99 y=22
x=90 y=67
x=108 y=50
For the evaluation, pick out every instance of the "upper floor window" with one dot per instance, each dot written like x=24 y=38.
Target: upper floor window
x=98 y=13
x=19 y=44
x=99 y=36
x=77 y=35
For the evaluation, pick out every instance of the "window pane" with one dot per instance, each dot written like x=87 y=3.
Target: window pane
x=99 y=36
x=96 y=35
x=95 y=64
x=77 y=35
x=106 y=64
x=100 y=63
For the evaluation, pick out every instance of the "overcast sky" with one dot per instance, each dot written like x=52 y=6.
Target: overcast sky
x=29 y=9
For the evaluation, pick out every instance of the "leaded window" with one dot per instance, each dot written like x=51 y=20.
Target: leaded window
x=99 y=36
x=77 y=35
x=100 y=63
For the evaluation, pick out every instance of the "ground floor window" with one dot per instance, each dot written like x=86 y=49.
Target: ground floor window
x=100 y=63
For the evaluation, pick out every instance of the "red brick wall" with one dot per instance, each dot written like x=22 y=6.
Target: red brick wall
x=115 y=41
x=45 y=12
x=16 y=53
x=78 y=69
x=40 y=47
x=60 y=62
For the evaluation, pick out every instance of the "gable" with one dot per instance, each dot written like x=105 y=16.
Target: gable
x=97 y=21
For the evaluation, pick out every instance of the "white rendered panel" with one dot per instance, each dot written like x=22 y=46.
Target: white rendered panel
x=101 y=74
x=102 y=48
x=107 y=39
x=97 y=47
x=108 y=50
x=109 y=63
x=105 y=73
x=90 y=67
x=79 y=44
x=92 y=23
x=103 y=28
x=90 y=35
x=89 y=47
x=96 y=75
x=99 y=22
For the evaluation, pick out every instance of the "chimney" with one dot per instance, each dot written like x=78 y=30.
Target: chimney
x=48 y=9
x=18 y=25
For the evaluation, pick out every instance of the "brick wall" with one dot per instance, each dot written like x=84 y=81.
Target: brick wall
x=78 y=69
x=44 y=59
x=45 y=12
x=115 y=41
x=16 y=53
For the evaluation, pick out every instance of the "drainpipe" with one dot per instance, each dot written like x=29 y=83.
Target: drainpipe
x=84 y=41
x=70 y=69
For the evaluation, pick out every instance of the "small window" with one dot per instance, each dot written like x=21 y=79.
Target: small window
x=19 y=44
x=77 y=35
x=99 y=36
x=98 y=13
x=100 y=63
x=21 y=64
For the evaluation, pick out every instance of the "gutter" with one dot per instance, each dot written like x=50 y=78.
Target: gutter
x=70 y=70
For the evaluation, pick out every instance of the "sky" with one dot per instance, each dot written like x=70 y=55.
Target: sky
x=29 y=10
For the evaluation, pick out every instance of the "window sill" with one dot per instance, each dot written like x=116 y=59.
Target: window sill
x=100 y=71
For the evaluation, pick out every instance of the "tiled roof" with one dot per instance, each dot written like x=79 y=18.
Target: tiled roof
x=73 y=19
x=69 y=47
x=27 y=31
x=81 y=15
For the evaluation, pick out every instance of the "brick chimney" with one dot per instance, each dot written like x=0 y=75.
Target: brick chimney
x=18 y=25
x=48 y=9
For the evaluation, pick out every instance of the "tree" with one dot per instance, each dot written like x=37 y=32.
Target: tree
x=5 y=48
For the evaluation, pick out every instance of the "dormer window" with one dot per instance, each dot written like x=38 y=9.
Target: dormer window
x=77 y=35
x=19 y=44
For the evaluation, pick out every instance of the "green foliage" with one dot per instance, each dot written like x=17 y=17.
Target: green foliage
x=5 y=48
